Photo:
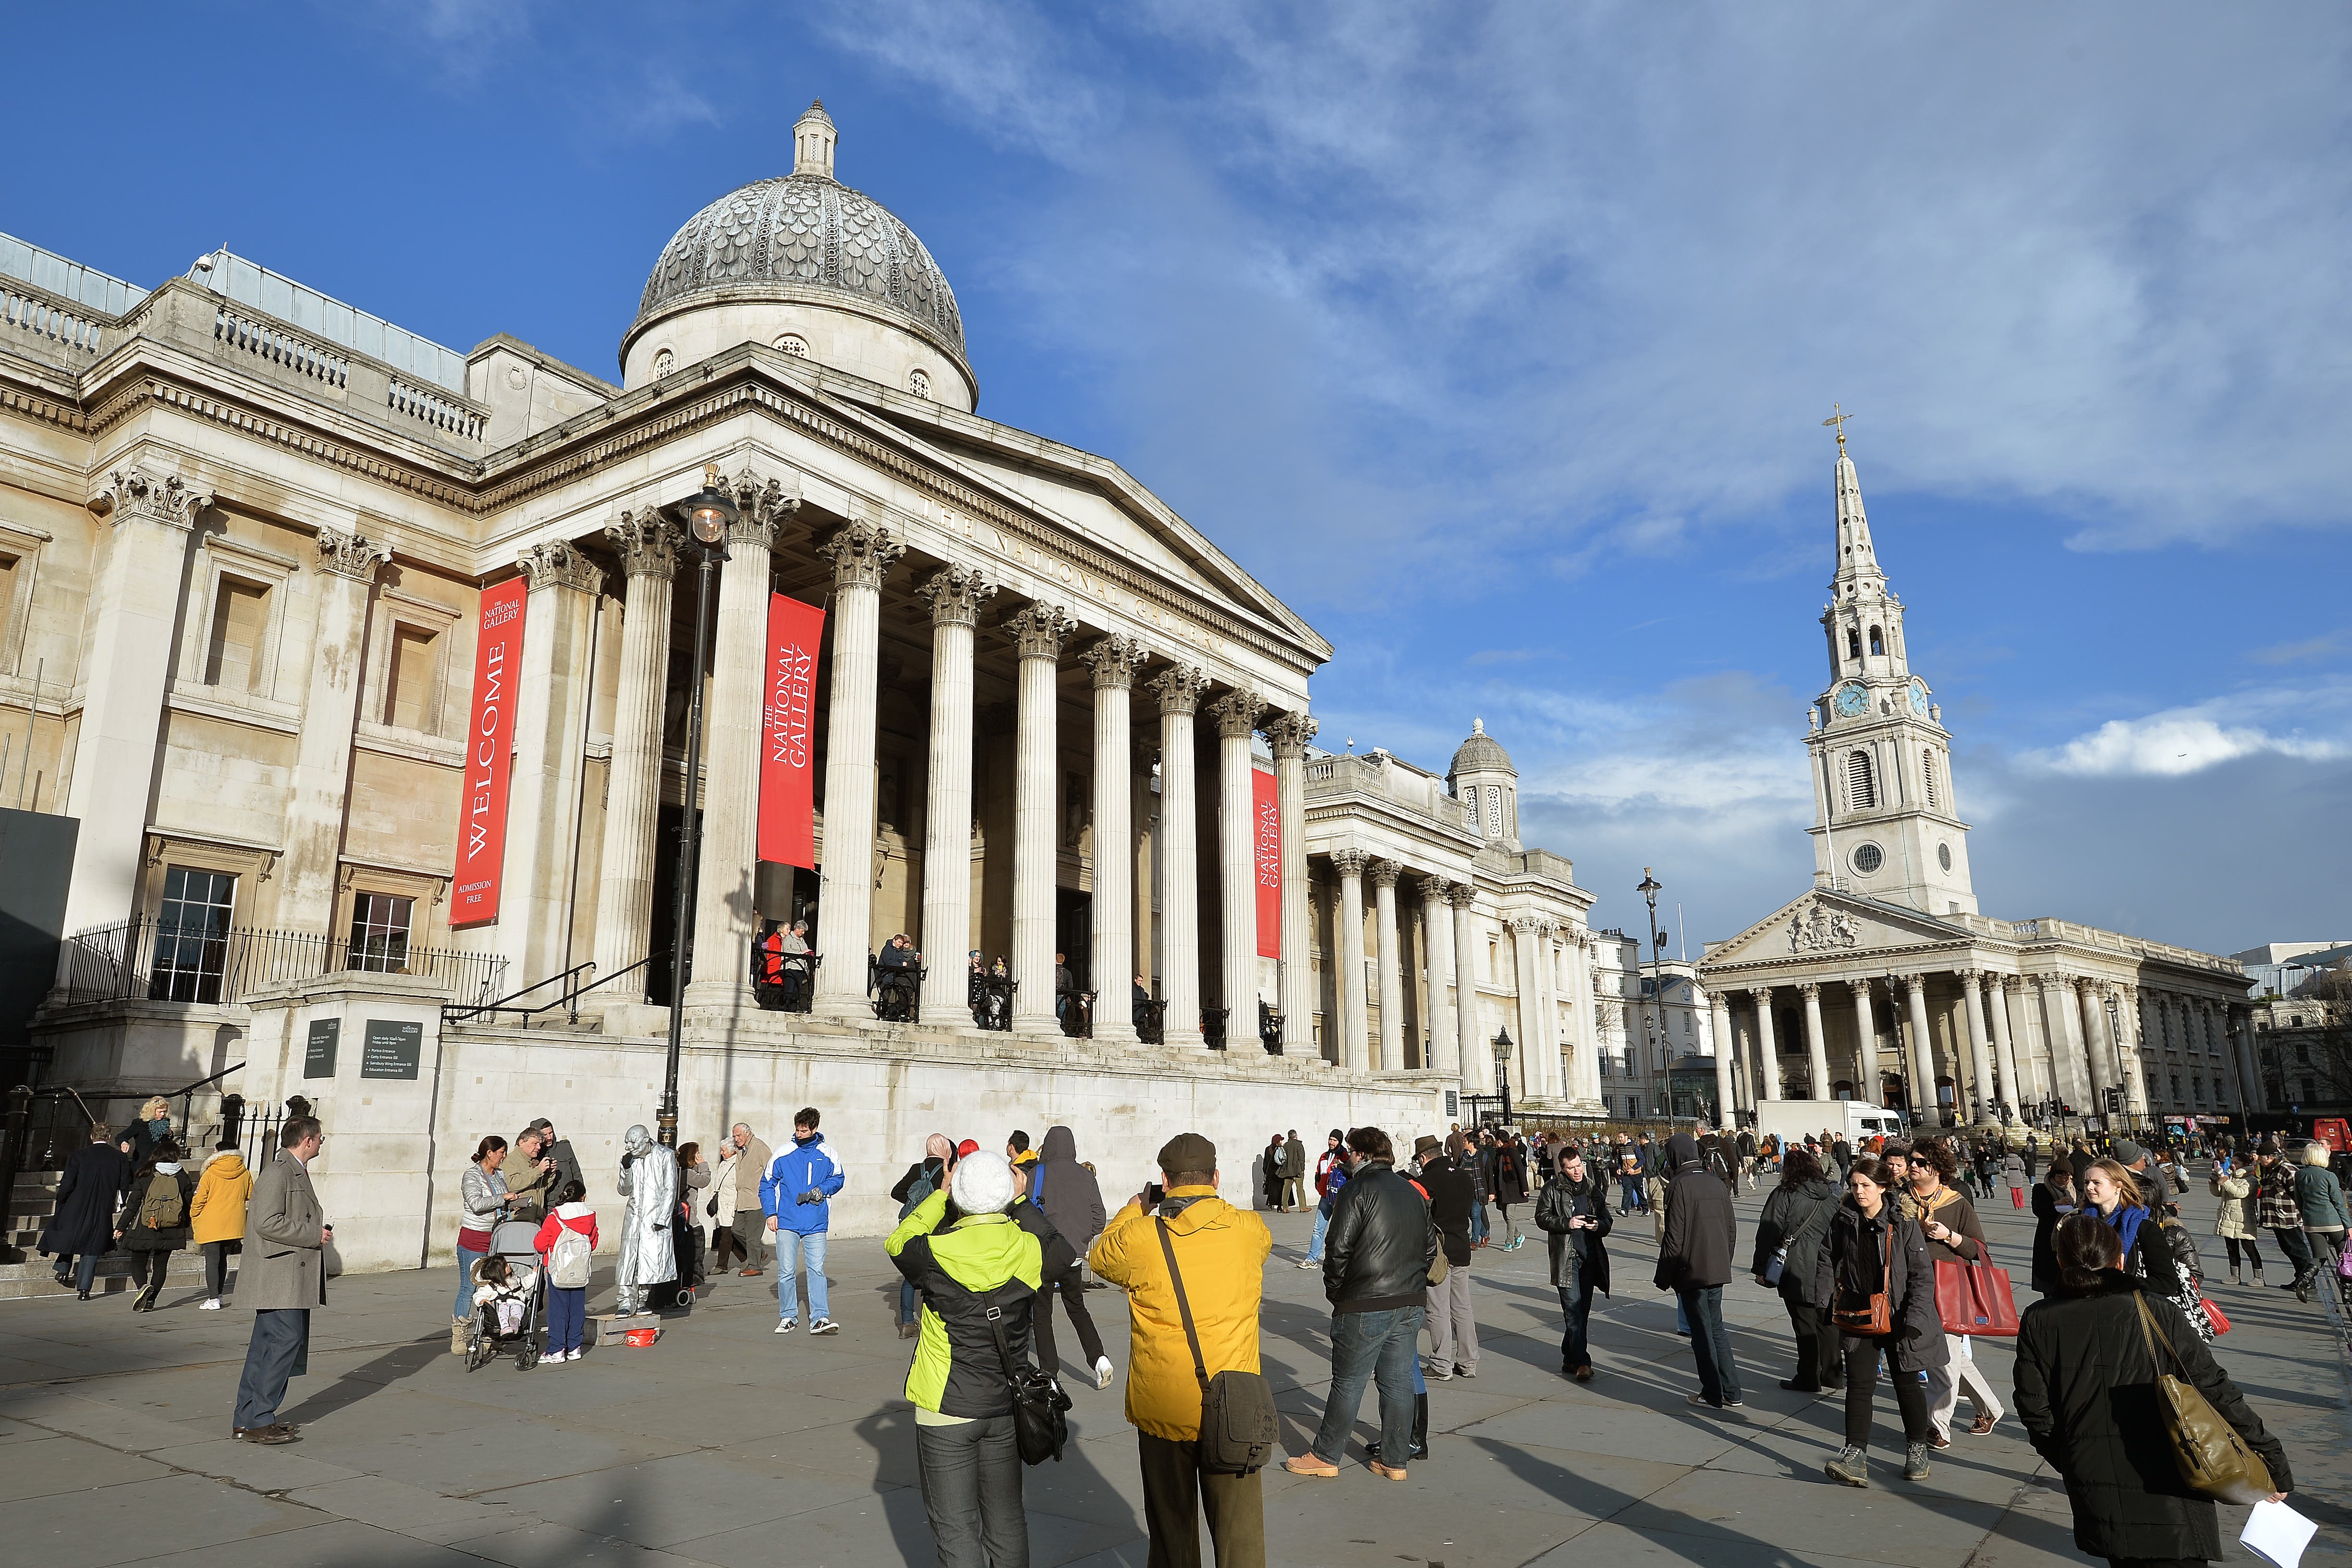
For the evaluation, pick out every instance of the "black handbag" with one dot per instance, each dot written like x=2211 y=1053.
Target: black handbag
x=1040 y=1428
x=1238 y=1424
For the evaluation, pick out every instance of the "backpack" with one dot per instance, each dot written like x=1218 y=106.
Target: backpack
x=567 y=1260
x=164 y=1207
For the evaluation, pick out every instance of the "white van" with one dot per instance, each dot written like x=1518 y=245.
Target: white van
x=1797 y=1120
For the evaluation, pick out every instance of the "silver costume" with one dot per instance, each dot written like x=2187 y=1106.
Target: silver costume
x=649 y=1181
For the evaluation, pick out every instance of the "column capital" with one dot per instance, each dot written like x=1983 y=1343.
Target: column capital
x=1039 y=630
x=646 y=540
x=2088 y=986
x=1288 y=734
x=2041 y=984
x=762 y=508
x=140 y=491
x=1861 y=988
x=350 y=553
x=1810 y=989
x=861 y=554
x=1179 y=687
x=1435 y=889
x=956 y=594
x=1114 y=660
x=1461 y=894
x=558 y=564
x=1237 y=712
x=1349 y=862
x=1384 y=873
x=1998 y=982
x=1914 y=987
x=1761 y=995
x=1968 y=977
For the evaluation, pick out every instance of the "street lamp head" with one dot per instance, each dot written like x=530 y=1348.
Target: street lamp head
x=1502 y=1045
x=1651 y=886
x=709 y=512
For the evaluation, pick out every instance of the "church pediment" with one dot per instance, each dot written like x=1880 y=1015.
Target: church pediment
x=1826 y=924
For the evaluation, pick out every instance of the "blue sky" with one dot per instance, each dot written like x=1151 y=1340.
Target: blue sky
x=1497 y=340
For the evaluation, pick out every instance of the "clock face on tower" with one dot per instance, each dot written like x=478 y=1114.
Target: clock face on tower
x=1852 y=700
x=1918 y=699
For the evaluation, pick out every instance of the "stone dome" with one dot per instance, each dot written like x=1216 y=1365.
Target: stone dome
x=805 y=238
x=1481 y=754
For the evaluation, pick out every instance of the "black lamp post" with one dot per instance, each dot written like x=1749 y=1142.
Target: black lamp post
x=706 y=514
x=1650 y=889
x=1503 y=1070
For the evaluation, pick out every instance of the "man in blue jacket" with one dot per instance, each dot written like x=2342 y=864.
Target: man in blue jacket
x=795 y=1191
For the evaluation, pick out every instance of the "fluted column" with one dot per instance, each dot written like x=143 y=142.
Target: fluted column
x=551 y=713
x=1922 y=1052
x=2090 y=997
x=1979 y=1054
x=2131 y=1057
x=1437 y=930
x=1767 y=1066
x=1354 y=1047
x=1179 y=852
x=1288 y=734
x=1384 y=874
x=724 y=914
x=1114 y=660
x=861 y=554
x=2062 y=1019
x=2252 y=1094
x=1726 y=1097
x=1817 y=1054
x=648 y=543
x=955 y=594
x=1237 y=713
x=2013 y=1091
x=1867 y=1087
x=322 y=784
x=1468 y=1030
x=1039 y=633
x=1531 y=1000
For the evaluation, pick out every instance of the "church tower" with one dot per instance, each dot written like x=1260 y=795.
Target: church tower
x=1885 y=824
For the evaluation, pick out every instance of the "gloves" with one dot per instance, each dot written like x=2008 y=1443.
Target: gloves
x=812 y=1195
x=626 y=1158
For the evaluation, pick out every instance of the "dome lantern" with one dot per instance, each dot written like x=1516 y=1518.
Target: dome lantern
x=812 y=139
x=1484 y=780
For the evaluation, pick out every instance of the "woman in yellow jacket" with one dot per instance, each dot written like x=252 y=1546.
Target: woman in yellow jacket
x=216 y=1216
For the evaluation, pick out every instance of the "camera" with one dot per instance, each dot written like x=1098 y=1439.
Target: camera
x=1152 y=1194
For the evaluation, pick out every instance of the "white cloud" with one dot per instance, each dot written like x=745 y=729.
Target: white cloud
x=2182 y=740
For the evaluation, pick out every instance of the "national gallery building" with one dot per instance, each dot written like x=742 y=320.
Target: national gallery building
x=360 y=675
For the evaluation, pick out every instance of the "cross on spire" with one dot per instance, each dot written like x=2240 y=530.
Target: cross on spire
x=1838 y=416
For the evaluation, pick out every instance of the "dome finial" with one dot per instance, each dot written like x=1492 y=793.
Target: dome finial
x=1477 y=726
x=813 y=140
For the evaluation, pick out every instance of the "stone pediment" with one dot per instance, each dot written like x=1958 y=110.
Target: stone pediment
x=1827 y=925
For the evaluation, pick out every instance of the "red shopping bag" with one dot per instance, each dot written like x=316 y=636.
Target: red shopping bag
x=2213 y=1314
x=1975 y=1299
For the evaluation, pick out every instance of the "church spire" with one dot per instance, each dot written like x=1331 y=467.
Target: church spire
x=1856 y=559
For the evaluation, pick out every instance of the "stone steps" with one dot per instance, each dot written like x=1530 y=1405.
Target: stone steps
x=38 y=1277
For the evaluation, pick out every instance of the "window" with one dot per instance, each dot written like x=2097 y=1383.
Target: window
x=8 y=564
x=1944 y=859
x=1877 y=645
x=379 y=933
x=662 y=363
x=190 y=954
x=795 y=345
x=920 y=382
x=1927 y=772
x=1853 y=644
x=233 y=654
x=408 y=696
x=1633 y=1107
x=1862 y=790
x=1868 y=858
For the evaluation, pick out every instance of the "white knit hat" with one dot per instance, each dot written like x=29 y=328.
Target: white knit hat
x=983 y=1183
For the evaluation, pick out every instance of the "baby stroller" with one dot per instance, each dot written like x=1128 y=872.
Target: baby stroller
x=512 y=1319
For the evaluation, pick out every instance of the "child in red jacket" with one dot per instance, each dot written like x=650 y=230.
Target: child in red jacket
x=559 y=1243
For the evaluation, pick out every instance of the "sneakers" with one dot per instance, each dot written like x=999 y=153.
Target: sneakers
x=1439 y=1374
x=1312 y=1263
x=1702 y=1400
x=825 y=1325
x=211 y=1304
x=909 y=1330
x=268 y=1437
x=1850 y=1466
x=1915 y=1463
x=1465 y=1372
x=1513 y=1245
x=786 y=1325
x=1104 y=1371
x=1306 y=1464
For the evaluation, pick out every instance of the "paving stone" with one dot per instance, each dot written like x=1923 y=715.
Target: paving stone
x=60 y=1466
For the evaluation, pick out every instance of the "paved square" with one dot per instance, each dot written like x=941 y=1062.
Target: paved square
x=726 y=1445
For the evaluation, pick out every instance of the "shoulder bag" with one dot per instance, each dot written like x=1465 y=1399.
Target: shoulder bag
x=2212 y=1459
x=1040 y=1430
x=1976 y=1298
x=1876 y=1315
x=1238 y=1425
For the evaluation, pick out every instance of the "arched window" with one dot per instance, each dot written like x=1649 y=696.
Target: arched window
x=1877 y=645
x=1861 y=791
x=1853 y=644
x=1927 y=772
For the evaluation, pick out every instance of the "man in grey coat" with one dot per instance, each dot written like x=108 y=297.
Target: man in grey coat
x=1294 y=1172
x=283 y=1278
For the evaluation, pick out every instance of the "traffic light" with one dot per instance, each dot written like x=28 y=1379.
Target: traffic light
x=2114 y=1102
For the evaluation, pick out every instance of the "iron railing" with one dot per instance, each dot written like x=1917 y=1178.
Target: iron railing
x=1213 y=1026
x=1078 y=1010
x=151 y=958
x=896 y=990
x=573 y=987
x=783 y=982
x=991 y=1001
x=1151 y=1020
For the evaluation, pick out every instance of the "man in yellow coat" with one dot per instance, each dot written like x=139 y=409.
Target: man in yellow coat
x=1221 y=1252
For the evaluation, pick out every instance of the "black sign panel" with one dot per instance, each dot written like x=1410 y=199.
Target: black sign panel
x=319 y=1054
x=390 y=1049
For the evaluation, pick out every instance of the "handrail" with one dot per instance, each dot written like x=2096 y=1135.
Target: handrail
x=452 y=1010
x=450 y=1013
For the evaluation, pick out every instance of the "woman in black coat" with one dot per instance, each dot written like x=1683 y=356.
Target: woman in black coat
x=1872 y=1248
x=1793 y=1228
x=1573 y=1214
x=2086 y=1394
x=81 y=1231
x=2054 y=1197
x=1509 y=1186
x=152 y=1225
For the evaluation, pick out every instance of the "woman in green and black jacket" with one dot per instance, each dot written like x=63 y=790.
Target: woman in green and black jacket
x=960 y=1382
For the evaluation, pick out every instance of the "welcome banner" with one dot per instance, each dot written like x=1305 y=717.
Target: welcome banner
x=490 y=758
x=787 y=734
x=1268 y=816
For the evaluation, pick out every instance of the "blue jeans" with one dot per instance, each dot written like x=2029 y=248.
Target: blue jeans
x=464 y=1306
x=1718 y=1375
x=567 y=1316
x=1478 y=1221
x=1322 y=1224
x=1369 y=1347
x=791 y=1246
x=1629 y=1194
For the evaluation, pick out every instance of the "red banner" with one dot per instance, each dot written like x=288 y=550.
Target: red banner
x=788 y=734
x=490 y=758
x=1268 y=813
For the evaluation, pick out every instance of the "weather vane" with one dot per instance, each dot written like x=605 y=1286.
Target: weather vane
x=1838 y=416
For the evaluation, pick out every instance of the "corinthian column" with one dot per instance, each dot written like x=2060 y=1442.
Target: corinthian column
x=1384 y=873
x=347 y=564
x=2131 y=1060
x=1114 y=662
x=1039 y=633
x=1530 y=999
x=551 y=713
x=1867 y=1089
x=1237 y=713
x=861 y=554
x=956 y=594
x=724 y=915
x=1979 y=1059
x=1817 y=1054
x=1355 y=1049
x=1179 y=853
x=1767 y=1066
x=2090 y=997
x=1288 y=735
x=1466 y=1027
x=1437 y=931
x=648 y=543
x=1922 y=1052
x=2012 y=1087
x=1726 y=1098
